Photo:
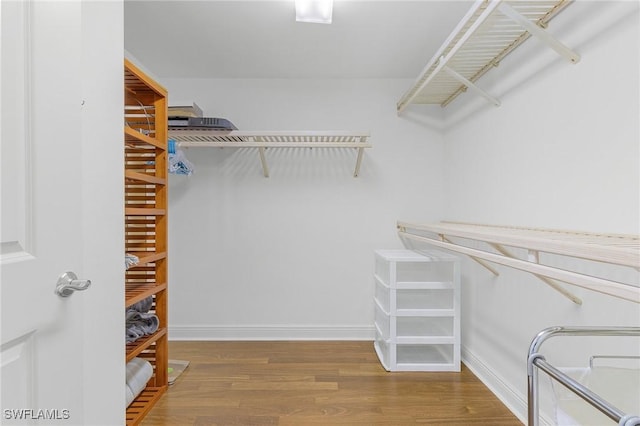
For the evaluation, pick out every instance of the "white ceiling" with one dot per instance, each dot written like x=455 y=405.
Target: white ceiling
x=260 y=39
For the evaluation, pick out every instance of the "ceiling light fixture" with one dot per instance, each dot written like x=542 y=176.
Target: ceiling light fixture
x=316 y=11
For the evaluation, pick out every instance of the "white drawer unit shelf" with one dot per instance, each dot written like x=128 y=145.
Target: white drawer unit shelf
x=416 y=357
x=417 y=310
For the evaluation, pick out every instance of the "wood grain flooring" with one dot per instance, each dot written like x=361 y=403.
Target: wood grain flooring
x=316 y=383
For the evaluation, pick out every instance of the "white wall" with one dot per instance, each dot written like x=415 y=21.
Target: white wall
x=291 y=256
x=561 y=152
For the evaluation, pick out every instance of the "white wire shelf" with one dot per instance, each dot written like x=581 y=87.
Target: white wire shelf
x=273 y=139
x=614 y=249
x=488 y=32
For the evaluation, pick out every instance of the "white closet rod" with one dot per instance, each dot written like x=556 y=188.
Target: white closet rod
x=612 y=288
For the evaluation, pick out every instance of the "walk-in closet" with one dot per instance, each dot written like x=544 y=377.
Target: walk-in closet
x=347 y=212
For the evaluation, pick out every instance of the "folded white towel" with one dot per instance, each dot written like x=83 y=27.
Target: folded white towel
x=139 y=371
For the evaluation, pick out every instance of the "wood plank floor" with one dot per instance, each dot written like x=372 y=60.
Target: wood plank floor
x=316 y=383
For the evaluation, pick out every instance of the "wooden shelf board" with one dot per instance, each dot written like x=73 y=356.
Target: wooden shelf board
x=136 y=293
x=145 y=257
x=135 y=348
x=143 y=404
x=132 y=136
x=144 y=178
x=133 y=211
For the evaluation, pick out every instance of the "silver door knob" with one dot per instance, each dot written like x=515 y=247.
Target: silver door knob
x=68 y=283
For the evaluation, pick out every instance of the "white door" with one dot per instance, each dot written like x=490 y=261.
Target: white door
x=62 y=358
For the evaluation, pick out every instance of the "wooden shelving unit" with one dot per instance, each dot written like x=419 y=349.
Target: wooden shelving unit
x=145 y=209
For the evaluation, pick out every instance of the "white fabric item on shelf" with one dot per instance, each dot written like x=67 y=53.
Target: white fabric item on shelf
x=139 y=371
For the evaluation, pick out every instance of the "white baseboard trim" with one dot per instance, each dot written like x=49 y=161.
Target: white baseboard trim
x=271 y=332
x=510 y=397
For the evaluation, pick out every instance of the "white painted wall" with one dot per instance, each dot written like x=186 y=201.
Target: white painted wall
x=561 y=152
x=291 y=256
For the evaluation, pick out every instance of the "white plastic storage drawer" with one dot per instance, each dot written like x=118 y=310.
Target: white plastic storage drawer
x=407 y=266
x=411 y=300
x=412 y=329
x=441 y=355
x=382 y=296
x=425 y=329
x=417 y=357
x=417 y=308
x=382 y=323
